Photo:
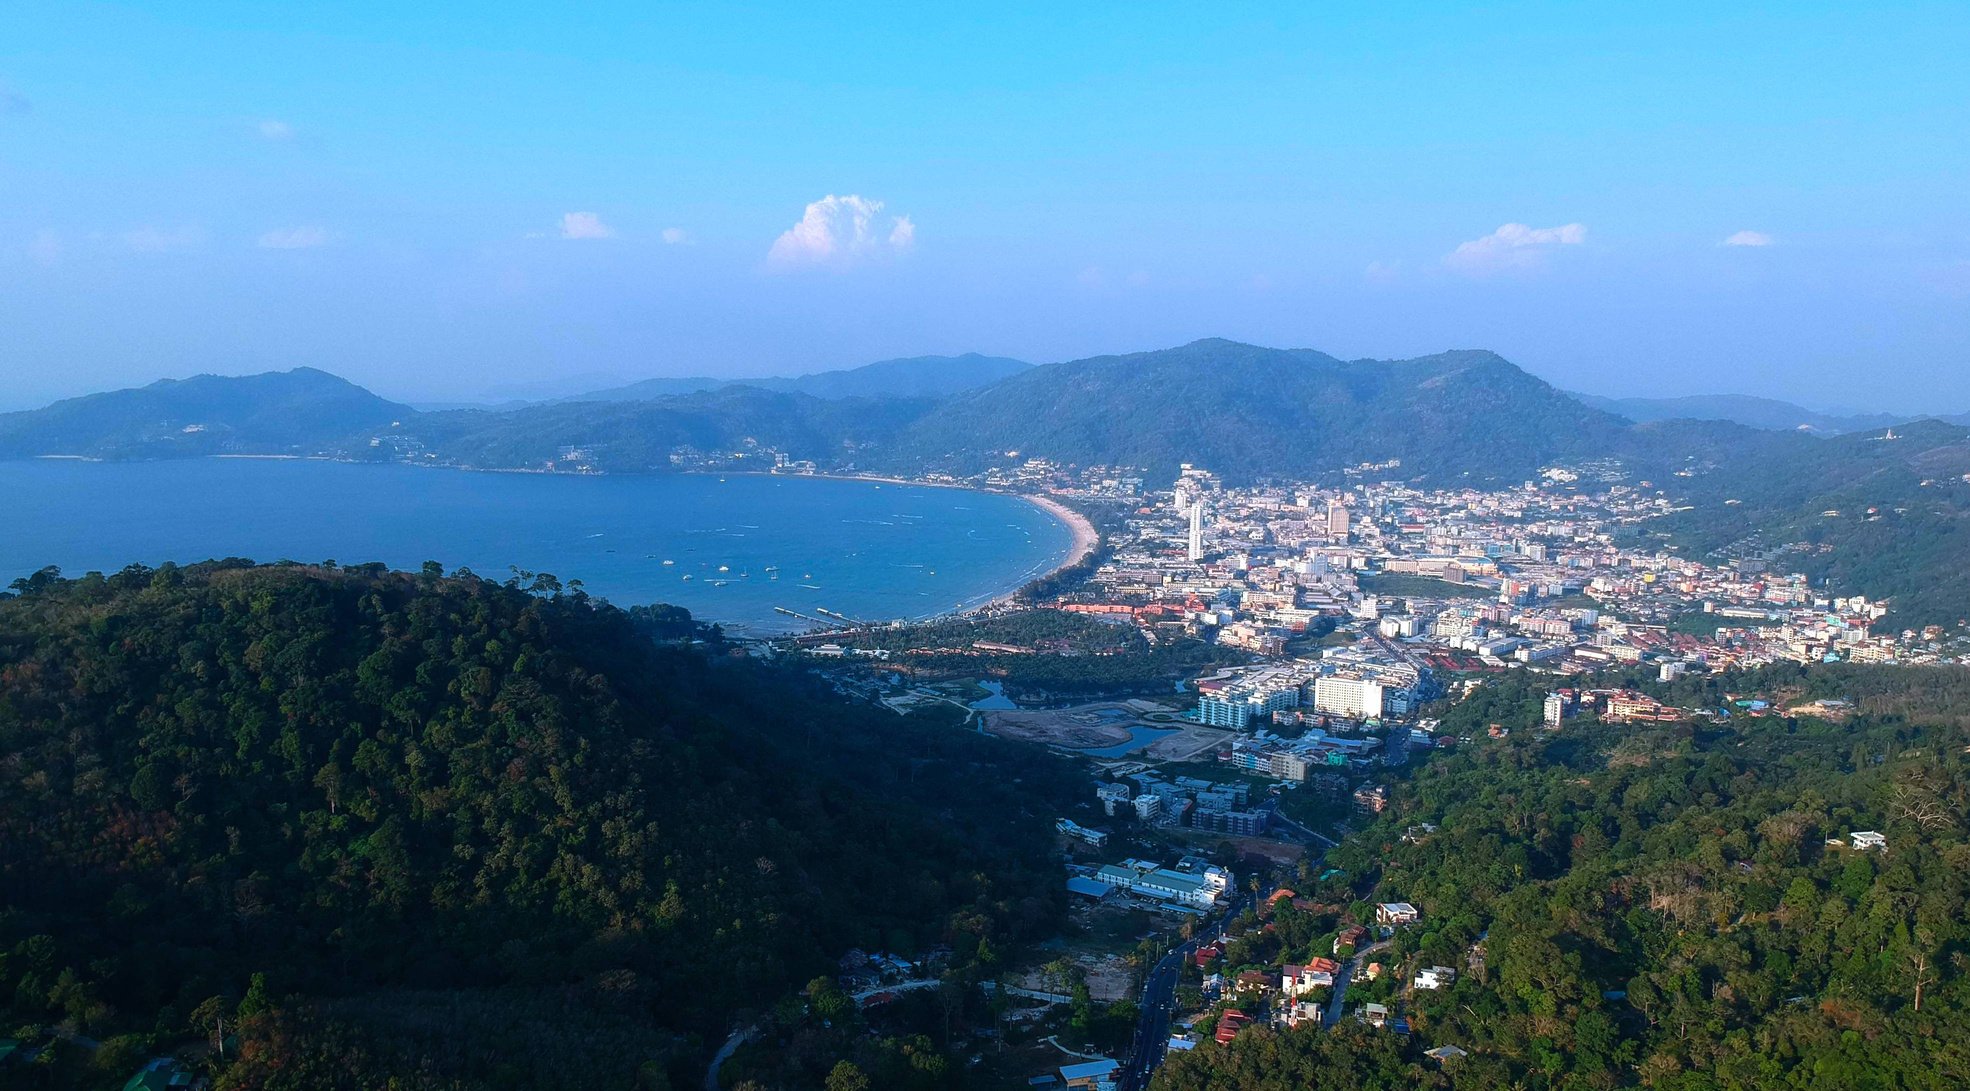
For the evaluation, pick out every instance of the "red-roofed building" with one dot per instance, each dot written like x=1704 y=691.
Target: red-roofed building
x=1230 y=1024
x=1205 y=954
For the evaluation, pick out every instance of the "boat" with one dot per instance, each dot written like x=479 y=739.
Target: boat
x=725 y=568
x=668 y=562
x=687 y=575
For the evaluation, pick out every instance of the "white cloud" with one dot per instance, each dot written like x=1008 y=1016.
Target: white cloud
x=157 y=240
x=838 y=232
x=293 y=238
x=676 y=236
x=1749 y=238
x=1513 y=246
x=585 y=225
x=276 y=130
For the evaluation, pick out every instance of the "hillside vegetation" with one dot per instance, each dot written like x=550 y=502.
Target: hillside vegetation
x=377 y=824
x=1659 y=906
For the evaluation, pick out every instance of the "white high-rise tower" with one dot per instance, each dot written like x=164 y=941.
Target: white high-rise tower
x=1197 y=530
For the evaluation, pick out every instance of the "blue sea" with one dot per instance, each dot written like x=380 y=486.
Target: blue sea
x=747 y=543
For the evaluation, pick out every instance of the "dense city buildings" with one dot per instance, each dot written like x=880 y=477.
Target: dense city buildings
x=1560 y=574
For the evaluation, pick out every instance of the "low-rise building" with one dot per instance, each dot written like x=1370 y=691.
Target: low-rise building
x=1394 y=913
x=1435 y=977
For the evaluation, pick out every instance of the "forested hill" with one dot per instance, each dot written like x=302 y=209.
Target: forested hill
x=303 y=411
x=914 y=377
x=1669 y=906
x=1248 y=411
x=442 y=815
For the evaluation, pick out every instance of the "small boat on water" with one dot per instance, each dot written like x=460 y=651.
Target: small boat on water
x=668 y=562
x=687 y=575
x=725 y=568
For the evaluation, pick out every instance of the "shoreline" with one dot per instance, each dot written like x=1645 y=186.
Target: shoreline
x=1085 y=541
x=1084 y=537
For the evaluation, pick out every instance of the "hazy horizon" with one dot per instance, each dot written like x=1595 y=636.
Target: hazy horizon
x=1626 y=201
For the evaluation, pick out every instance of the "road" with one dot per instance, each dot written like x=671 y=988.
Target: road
x=1159 y=990
x=1341 y=980
x=1300 y=831
x=739 y=1037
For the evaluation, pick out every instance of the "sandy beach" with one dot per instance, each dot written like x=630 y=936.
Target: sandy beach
x=1085 y=537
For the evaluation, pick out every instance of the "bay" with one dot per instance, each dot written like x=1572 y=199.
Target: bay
x=873 y=551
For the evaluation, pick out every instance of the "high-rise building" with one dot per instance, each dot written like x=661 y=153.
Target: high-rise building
x=1197 y=531
x=1355 y=698
x=1337 y=519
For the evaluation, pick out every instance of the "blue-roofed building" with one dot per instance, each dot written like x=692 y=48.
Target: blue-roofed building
x=1092 y=888
x=1090 y=1075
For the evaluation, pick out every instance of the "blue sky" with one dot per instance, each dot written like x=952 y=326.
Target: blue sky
x=464 y=203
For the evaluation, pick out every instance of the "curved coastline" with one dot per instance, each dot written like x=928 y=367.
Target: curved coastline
x=175 y=541
x=1086 y=537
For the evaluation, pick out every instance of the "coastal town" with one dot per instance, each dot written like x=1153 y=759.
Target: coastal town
x=1333 y=623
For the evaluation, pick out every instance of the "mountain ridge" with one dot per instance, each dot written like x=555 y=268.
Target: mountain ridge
x=905 y=377
x=1768 y=414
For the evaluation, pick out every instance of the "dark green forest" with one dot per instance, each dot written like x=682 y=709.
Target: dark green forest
x=1664 y=905
x=342 y=823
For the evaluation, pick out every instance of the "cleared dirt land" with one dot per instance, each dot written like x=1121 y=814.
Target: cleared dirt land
x=1105 y=724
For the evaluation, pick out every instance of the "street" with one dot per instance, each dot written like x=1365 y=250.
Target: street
x=1152 y=1036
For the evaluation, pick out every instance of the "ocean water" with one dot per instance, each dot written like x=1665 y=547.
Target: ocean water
x=748 y=543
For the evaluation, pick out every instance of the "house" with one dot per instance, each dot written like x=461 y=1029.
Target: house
x=1298 y=1012
x=1436 y=977
x=1253 y=981
x=1205 y=954
x=1350 y=936
x=1373 y=971
x=1865 y=840
x=1445 y=1053
x=1230 y=1024
x=1393 y=913
x=1090 y=1075
x=1323 y=966
x=1376 y=1015
x=1300 y=980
